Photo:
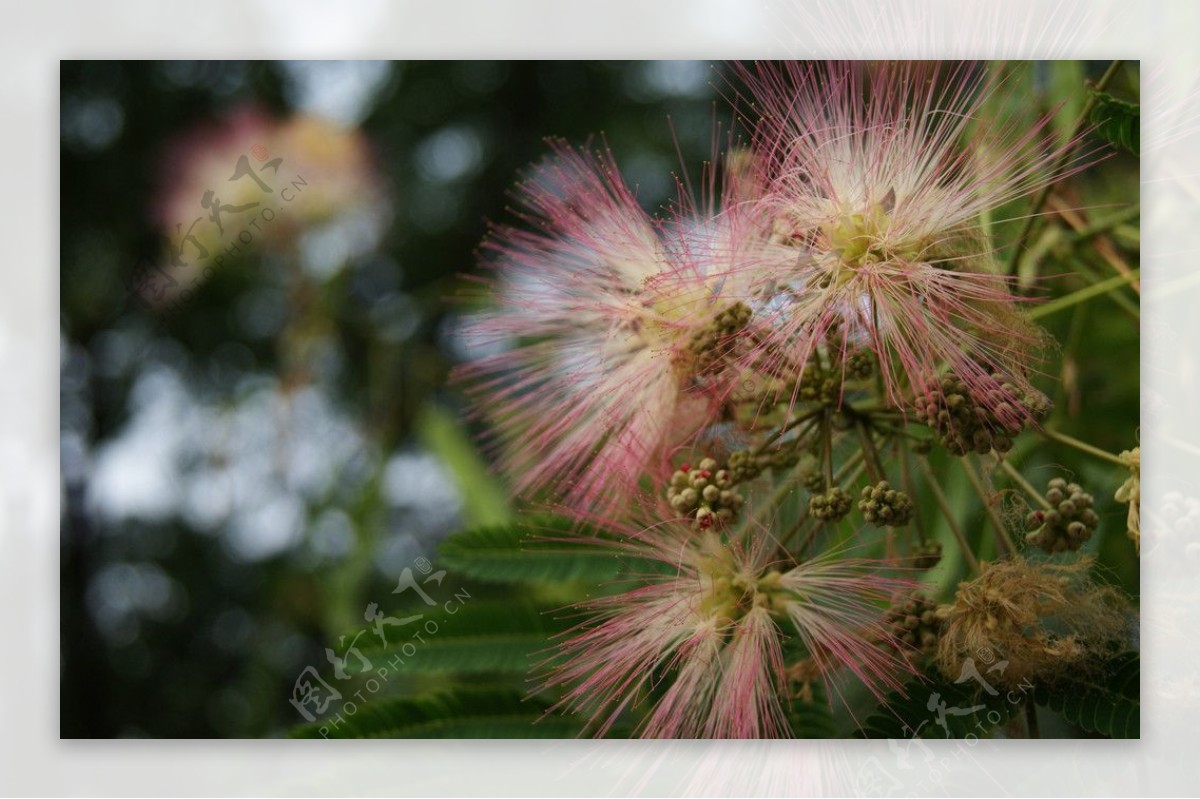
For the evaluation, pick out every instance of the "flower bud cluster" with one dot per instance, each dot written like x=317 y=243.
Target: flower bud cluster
x=824 y=387
x=746 y=465
x=927 y=555
x=860 y=365
x=830 y=506
x=1070 y=522
x=914 y=622
x=715 y=340
x=706 y=493
x=884 y=506
x=819 y=387
x=968 y=422
x=812 y=477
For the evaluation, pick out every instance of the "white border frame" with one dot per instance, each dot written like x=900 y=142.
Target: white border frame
x=34 y=37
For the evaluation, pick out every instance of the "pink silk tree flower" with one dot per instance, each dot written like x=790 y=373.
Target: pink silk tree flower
x=606 y=332
x=877 y=175
x=712 y=628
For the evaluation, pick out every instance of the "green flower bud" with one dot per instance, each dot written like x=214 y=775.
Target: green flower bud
x=882 y=505
x=1069 y=525
x=830 y=506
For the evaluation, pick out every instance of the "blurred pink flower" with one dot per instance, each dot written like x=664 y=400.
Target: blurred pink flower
x=610 y=326
x=254 y=183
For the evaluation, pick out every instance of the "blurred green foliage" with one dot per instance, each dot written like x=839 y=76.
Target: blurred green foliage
x=219 y=656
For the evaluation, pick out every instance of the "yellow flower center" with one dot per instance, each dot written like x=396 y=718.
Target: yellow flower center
x=858 y=240
x=732 y=590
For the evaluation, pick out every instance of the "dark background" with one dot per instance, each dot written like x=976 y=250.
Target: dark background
x=171 y=625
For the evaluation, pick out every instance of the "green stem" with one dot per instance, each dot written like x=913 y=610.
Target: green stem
x=807 y=542
x=1006 y=542
x=845 y=475
x=1063 y=159
x=1084 y=294
x=1016 y=477
x=784 y=429
x=827 y=448
x=804 y=431
x=901 y=454
x=783 y=542
x=903 y=431
x=874 y=466
x=849 y=472
x=785 y=488
x=1074 y=336
x=948 y=514
x=1082 y=446
x=1093 y=276
x=1130 y=235
x=881 y=413
x=776 y=497
x=1031 y=719
x=1106 y=224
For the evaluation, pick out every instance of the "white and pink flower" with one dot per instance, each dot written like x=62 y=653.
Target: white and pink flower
x=878 y=174
x=712 y=625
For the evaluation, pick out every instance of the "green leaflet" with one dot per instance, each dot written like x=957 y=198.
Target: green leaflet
x=480 y=636
x=464 y=712
x=484 y=501
x=966 y=709
x=812 y=719
x=486 y=641
x=514 y=554
x=1063 y=81
x=1117 y=122
x=1106 y=703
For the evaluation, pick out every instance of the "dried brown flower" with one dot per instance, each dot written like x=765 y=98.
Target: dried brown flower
x=1044 y=619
